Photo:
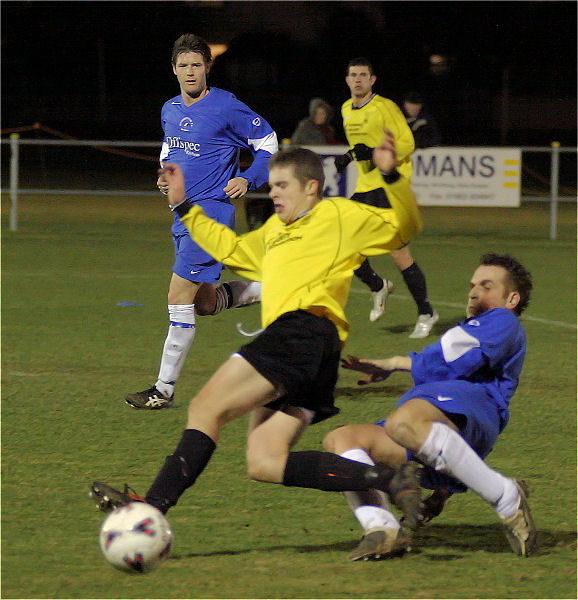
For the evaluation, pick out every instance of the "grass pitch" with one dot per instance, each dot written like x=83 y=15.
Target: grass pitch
x=71 y=353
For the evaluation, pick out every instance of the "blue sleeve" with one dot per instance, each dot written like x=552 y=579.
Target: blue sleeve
x=465 y=351
x=254 y=133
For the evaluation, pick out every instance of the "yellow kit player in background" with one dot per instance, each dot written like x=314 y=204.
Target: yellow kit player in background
x=365 y=116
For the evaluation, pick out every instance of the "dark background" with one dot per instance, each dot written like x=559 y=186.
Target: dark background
x=102 y=69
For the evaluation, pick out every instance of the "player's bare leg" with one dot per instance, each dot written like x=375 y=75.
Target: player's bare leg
x=186 y=299
x=383 y=535
x=433 y=437
x=212 y=299
x=180 y=336
x=271 y=436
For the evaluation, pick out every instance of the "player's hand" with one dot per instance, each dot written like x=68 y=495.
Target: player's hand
x=163 y=185
x=370 y=367
x=173 y=176
x=236 y=187
x=343 y=160
x=385 y=156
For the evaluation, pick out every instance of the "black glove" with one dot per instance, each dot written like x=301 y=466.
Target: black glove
x=342 y=161
x=375 y=373
x=362 y=152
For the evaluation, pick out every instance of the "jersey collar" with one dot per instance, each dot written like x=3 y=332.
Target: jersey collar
x=366 y=102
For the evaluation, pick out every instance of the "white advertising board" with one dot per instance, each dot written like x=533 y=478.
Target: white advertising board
x=467 y=176
x=445 y=176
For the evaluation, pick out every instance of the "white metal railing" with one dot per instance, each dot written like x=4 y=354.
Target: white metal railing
x=15 y=142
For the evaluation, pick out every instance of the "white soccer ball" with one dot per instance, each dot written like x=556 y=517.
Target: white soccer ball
x=136 y=538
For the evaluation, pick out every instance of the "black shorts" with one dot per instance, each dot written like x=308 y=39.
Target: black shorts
x=299 y=351
x=377 y=198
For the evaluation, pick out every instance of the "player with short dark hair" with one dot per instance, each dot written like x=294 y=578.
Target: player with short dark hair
x=450 y=421
x=365 y=115
x=304 y=255
x=204 y=130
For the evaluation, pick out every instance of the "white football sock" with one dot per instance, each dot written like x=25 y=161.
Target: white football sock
x=221 y=299
x=179 y=339
x=447 y=452
x=244 y=292
x=370 y=508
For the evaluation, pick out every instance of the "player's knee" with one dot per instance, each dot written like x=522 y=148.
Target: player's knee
x=332 y=440
x=203 y=413
x=397 y=427
x=344 y=438
x=204 y=307
x=267 y=469
x=206 y=300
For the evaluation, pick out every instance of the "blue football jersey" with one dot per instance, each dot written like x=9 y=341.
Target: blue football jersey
x=205 y=139
x=488 y=349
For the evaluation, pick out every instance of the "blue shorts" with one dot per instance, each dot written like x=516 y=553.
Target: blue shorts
x=478 y=419
x=191 y=261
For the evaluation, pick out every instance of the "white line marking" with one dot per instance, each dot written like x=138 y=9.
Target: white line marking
x=23 y=374
x=562 y=324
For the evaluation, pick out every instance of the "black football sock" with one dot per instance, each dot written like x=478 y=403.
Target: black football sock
x=332 y=473
x=415 y=281
x=181 y=469
x=371 y=279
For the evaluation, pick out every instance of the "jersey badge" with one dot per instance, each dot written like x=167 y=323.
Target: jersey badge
x=186 y=124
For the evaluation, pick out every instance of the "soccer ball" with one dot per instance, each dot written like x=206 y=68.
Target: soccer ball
x=136 y=538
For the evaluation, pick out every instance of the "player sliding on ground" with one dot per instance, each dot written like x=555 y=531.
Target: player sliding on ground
x=451 y=419
x=304 y=255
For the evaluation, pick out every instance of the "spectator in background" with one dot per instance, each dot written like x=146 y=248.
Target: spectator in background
x=315 y=130
x=425 y=130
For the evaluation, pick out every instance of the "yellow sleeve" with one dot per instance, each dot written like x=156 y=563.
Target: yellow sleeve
x=241 y=253
x=377 y=229
x=403 y=201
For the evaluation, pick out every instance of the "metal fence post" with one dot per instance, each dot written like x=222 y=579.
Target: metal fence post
x=554 y=178
x=14 y=160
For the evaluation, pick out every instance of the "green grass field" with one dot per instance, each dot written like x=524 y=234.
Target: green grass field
x=70 y=354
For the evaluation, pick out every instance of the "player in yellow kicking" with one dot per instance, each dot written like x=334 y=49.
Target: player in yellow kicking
x=365 y=116
x=304 y=255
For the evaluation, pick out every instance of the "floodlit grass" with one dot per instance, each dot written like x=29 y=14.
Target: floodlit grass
x=70 y=354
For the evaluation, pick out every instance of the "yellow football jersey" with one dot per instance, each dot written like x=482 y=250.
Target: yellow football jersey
x=366 y=125
x=309 y=264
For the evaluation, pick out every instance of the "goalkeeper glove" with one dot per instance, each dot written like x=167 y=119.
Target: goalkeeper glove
x=374 y=372
x=342 y=161
x=358 y=152
x=362 y=152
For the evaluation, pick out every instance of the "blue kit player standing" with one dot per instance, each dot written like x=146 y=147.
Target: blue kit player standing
x=450 y=420
x=204 y=130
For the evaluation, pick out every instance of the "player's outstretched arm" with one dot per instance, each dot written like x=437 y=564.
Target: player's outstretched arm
x=173 y=176
x=385 y=156
x=378 y=369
